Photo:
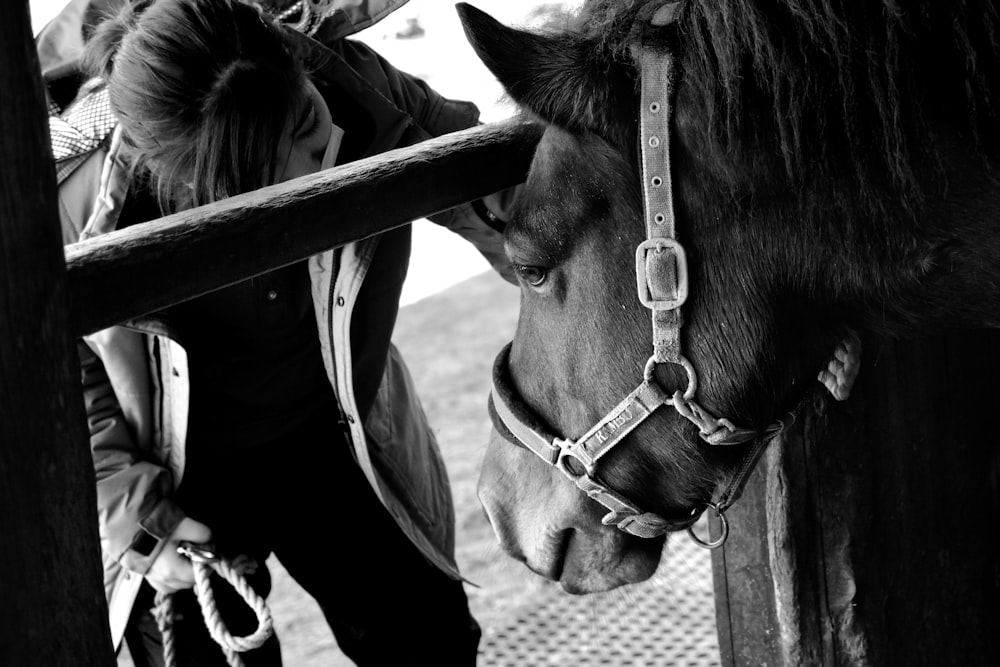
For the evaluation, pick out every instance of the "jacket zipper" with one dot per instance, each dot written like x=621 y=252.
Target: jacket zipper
x=331 y=304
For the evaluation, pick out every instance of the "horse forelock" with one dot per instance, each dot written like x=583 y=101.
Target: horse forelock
x=819 y=84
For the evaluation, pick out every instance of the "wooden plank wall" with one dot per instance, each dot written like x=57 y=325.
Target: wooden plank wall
x=869 y=535
x=52 y=608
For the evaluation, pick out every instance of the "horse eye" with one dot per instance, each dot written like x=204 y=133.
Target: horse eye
x=533 y=275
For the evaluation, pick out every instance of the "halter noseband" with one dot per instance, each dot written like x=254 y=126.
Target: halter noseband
x=662 y=285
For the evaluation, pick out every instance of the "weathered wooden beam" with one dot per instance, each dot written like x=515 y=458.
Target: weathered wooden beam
x=871 y=534
x=52 y=606
x=145 y=267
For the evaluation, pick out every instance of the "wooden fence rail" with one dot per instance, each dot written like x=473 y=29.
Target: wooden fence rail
x=197 y=251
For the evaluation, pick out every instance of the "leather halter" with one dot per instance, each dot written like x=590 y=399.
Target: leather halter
x=662 y=285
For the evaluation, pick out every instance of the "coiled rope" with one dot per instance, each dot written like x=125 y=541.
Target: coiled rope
x=205 y=562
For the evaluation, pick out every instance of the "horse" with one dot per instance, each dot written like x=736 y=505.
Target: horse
x=725 y=192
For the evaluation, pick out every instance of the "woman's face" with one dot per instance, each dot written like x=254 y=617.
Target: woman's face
x=306 y=135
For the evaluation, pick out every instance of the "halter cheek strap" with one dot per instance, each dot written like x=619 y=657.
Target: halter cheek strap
x=660 y=260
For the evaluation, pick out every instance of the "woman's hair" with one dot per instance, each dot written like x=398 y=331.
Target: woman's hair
x=203 y=90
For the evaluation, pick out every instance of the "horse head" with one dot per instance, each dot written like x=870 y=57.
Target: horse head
x=780 y=247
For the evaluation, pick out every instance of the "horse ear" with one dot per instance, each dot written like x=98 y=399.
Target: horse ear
x=556 y=76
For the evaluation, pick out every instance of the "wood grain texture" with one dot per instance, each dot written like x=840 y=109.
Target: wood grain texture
x=882 y=517
x=53 y=610
x=145 y=267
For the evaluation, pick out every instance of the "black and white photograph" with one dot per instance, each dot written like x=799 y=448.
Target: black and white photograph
x=500 y=333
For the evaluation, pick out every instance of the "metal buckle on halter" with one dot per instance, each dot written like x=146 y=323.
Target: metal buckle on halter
x=573 y=449
x=657 y=266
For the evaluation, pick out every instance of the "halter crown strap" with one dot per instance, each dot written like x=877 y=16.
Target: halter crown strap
x=660 y=261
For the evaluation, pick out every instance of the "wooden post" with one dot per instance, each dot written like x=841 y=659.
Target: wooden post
x=52 y=605
x=869 y=536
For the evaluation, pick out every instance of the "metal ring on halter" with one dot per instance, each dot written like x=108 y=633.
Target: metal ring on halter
x=718 y=542
x=692 y=387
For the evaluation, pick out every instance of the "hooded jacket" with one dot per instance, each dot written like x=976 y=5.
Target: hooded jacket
x=135 y=376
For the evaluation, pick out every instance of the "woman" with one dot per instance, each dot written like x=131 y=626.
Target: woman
x=273 y=416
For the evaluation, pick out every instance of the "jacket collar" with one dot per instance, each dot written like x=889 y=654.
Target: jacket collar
x=332 y=70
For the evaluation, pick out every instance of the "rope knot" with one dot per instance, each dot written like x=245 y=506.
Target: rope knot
x=232 y=571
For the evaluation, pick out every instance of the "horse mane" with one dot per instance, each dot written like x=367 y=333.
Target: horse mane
x=816 y=82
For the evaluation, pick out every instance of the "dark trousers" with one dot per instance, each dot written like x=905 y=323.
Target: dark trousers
x=308 y=502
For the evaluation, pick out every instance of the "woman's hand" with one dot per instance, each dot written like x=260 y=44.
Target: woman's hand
x=171 y=571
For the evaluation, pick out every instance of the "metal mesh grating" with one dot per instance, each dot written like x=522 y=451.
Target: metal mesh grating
x=666 y=621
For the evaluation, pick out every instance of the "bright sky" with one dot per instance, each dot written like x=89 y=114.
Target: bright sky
x=42 y=11
x=444 y=59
